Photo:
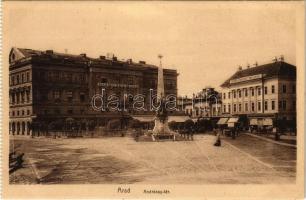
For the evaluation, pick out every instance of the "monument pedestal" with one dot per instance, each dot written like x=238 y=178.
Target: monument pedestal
x=161 y=131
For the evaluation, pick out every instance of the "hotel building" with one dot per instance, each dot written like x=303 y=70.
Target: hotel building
x=265 y=91
x=47 y=87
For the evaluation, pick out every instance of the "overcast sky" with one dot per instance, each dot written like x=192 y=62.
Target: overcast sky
x=205 y=42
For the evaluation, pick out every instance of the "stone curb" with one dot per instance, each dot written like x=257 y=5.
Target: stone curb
x=269 y=140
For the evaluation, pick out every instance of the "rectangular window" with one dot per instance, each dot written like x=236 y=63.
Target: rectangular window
x=239 y=93
x=246 y=107
x=259 y=106
x=234 y=94
x=253 y=106
x=224 y=96
x=235 y=108
x=266 y=90
x=266 y=105
x=17 y=79
x=273 y=105
x=293 y=89
x=28 y=96
x=56 y=94
x=229 y=95
x=22 y=78
x=224 y=108
x=273 y=89
x=69 y=96
x=284 y=89
x=284 y=105
x=252 y=92
x=259 y=91
x=229 y=108
x=239 y=107
x=246 y=92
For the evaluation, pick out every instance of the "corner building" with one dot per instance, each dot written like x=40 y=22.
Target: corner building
x=46 y=86
x=265 y=91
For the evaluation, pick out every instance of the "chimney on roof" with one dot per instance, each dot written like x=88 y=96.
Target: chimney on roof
x=142 y=62
x=275 y=59
x=49 y=52
x=83 y=55
x=130 y=61
x=281 y=58
x=255 y=64
x=102 y=57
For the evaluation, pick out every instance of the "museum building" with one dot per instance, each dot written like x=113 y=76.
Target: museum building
x=261 y=92
x=46 y=86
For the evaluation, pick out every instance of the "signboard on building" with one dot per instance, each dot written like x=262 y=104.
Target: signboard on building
x=117 y=85
x=246 y=78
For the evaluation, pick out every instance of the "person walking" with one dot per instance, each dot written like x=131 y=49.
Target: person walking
x=218 y=140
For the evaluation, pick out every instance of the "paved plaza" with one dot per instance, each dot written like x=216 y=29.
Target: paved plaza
x=121 y=160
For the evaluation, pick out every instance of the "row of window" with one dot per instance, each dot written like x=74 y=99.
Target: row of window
x=201 y=112
x=58 y=111
x=282 y=105
x=20 y=97
x=20 y=113
x=60 y=76
x=23 y=77
x=58 y=95
x=252 y=90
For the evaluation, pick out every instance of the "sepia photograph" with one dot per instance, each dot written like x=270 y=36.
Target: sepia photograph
x=147 y=97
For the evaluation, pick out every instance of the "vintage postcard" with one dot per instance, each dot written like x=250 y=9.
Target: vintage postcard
x=153 y=100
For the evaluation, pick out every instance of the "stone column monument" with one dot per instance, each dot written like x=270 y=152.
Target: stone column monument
x=161 y=129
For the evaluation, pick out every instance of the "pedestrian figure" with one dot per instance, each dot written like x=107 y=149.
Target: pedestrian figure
x=191 y=134
x=233 y=133
x=218 y=140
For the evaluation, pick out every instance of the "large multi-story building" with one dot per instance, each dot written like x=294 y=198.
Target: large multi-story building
x=46 y=86
x=267 y=90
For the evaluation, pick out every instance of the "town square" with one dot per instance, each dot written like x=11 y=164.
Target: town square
x=153 y=99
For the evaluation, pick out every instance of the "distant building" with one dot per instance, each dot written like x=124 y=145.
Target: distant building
x=262 y=91
x=206 y=103
x=45 y=87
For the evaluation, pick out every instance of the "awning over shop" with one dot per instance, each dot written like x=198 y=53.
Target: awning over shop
x=233 y=120
x=194 y=119
x=222 y=121
x=144 y=118
x=178 y=118
x=261 y=121
x=267 y=122
x=253 y=122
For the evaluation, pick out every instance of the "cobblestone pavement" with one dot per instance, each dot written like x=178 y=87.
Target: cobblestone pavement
x=281 y=158
x=123 y=161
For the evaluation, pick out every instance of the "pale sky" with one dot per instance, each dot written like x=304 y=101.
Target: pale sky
x=205 y=42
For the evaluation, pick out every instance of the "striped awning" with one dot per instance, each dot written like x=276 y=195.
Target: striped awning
x=222 y=121
x=233 y=120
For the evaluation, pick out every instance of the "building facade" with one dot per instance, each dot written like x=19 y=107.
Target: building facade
x=262 y=91
x=46 y=87
x=206 y=103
